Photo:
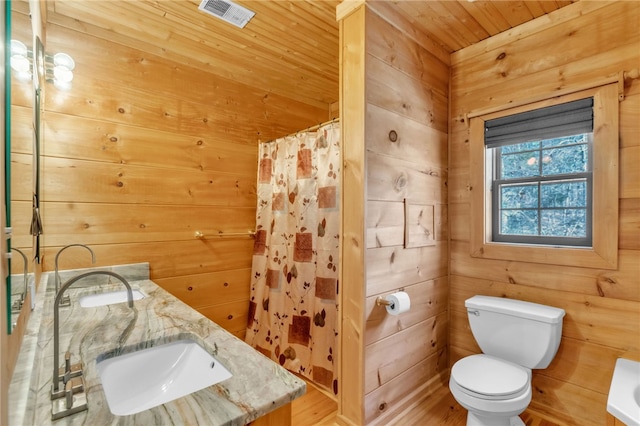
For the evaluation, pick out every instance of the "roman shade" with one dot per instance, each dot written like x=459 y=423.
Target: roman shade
x=571 y=118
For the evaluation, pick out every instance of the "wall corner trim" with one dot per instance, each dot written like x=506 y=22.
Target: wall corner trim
x=347 y=7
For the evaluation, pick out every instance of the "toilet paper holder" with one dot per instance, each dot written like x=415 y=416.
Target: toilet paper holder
x=381 y=301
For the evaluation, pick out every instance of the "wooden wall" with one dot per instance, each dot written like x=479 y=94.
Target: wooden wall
x=406 y=93
x=142 y=152
x=571 y=48
x=406 y=89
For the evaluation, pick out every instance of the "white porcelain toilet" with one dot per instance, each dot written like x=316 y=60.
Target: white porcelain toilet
x=515 y=337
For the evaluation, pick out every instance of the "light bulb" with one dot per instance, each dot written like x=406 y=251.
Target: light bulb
x=19 y=60
x=62 y=74
x=20 y=64
x=18 y=48
x=63 y=60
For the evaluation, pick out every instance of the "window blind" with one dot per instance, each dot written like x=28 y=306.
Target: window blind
x=571 y=118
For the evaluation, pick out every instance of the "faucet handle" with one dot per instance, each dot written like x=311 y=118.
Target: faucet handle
x=68 y=394
x=67 y=368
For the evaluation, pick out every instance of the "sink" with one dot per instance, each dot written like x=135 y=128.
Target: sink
x=150 y=377
x=109 y=298
x=624 y=394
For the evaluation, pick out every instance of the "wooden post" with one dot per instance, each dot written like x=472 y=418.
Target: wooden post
x=352 y=258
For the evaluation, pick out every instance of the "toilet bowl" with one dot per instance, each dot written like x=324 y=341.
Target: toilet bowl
x=494 y=391
x=515 y=337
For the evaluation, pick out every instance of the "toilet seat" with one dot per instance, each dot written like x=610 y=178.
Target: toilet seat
x=486 y=377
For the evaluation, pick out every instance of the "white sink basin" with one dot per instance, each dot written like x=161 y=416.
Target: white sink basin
x=624 y=394
x=150 y=377
x=109 y=298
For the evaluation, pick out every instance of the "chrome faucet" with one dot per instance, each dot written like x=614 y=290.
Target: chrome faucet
x=69 y=406
x=17 y=305
x=66 y=301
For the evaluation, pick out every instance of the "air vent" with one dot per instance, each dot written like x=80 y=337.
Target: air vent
x=227 y=11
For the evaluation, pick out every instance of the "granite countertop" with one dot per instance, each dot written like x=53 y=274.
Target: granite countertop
x=258 y=385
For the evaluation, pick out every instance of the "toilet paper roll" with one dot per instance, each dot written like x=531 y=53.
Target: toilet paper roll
x=400 y=303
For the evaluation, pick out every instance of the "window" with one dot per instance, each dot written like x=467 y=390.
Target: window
x=542 y=174
x=544 y=181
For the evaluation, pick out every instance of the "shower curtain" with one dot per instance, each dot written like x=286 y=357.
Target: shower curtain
x=293 y=310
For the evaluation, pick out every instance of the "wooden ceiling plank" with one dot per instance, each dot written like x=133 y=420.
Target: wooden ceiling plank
x=151 y=74
x=535 y=7
x=324 y=10
x=478 y=11
x=559 y=17
x=262 y=24
x=114 y=18
x=248 y=72
x=265 y=43
x=309 y=35
x=232 y=50
x=321 y=24
x=277 y=82
x=262 y=80
x=399 y=20
x=489 y=9
x=445 y=22
x=429 y=23
x=216 y=50
x=468 y=26
x=184 y=19
x=515 y=12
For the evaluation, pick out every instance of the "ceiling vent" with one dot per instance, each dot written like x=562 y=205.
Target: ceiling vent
x=227 y=11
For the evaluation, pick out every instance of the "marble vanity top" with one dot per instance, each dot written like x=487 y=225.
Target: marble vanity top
x=258 y=385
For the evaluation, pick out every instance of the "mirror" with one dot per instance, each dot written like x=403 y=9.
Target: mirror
x=22 y=142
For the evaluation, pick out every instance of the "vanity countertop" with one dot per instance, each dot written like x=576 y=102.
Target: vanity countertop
x=258 y=385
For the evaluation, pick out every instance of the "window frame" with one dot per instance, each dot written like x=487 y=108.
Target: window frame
x=603 y=252
x=541 y=180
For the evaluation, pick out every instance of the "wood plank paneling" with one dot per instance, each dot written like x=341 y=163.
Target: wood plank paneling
x=392 y=179
x=303 y=46
x=621 y=283
x=143 y=151
x=385 y=362
x=70 y=136
x=220 y=296
x=174 y=97
x=405 y=95
x=385 y=223
x=406 y=162
x=93 y=182
x=578 y=45
x=166 y=259
x=406 y=140
x=428 y=299
x=210 y=288
x=113 y=223
x=382 y=403
x=394 y=267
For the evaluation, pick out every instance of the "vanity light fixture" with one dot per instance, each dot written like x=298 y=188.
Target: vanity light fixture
x=63 y=66
x=58 y=68
x=21 y=60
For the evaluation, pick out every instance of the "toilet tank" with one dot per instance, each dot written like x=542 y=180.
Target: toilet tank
x=525 y=333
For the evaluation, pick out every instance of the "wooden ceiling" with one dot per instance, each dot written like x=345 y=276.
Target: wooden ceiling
x=458 y=24
x=289 y=47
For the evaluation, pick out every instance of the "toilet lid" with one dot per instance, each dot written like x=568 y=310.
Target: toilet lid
x=490 y=376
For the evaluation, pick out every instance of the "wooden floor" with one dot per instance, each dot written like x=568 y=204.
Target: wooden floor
x=439 y=409
x=313 y=408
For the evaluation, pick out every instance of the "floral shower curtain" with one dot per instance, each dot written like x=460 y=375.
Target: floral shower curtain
x=293 y=311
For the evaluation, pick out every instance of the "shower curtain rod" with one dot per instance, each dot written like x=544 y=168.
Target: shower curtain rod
x=310 y=129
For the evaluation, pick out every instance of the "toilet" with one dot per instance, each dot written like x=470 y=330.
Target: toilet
x=515 y=337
